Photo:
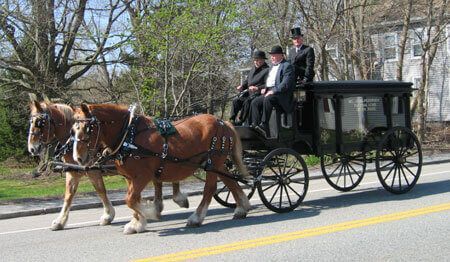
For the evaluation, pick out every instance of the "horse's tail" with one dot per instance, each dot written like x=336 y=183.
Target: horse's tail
x=236 y=154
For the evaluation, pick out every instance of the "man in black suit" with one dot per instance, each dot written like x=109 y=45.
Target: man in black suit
x=301 y=57
x=278 y=93
x=250 y=88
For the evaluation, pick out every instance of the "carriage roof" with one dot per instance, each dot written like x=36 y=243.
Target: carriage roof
x=360 y=86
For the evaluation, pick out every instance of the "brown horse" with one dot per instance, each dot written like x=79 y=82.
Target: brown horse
x=51 y=123
x=198 y=139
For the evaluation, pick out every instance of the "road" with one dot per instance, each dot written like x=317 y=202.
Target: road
x=366 y=224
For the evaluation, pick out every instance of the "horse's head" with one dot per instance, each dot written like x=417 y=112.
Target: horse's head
x=97 y=130
x=86 y=133
x=41 y=131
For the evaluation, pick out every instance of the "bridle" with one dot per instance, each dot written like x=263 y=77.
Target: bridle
x=105 y=153
x=91 y=123
x=41 y=119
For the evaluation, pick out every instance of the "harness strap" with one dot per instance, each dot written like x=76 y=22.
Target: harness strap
x=130 y=149
x=163 y=156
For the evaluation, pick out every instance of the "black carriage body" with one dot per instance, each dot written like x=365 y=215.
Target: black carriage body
x=347 y=124
x=353 y=115
x=336 y=117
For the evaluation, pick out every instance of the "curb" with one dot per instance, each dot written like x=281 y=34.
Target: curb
x=97 y=204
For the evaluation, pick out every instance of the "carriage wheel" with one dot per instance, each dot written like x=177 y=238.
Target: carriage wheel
x=284 y=180
x=398 y=160
x=224 y=197
x=343 y=171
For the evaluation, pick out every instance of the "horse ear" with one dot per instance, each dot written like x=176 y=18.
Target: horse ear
x=32 y=97
x=86 y=110
x=46 y=99
x=34 y=104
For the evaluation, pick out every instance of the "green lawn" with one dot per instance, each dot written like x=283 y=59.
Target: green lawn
x=16 y=183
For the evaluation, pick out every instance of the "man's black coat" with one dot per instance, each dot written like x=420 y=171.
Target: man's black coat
x=303 y=62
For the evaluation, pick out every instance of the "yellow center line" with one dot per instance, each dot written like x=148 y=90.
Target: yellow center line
x=257 y=242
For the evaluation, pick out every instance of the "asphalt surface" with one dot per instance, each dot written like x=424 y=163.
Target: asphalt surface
x=40 y=206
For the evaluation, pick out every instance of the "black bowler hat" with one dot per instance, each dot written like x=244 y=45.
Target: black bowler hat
x=259 y=55
x=276 y=50
x=296 y=32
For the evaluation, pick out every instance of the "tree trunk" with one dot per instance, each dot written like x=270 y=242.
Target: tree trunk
x=403 y=39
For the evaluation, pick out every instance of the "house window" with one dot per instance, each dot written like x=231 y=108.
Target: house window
x=416 y=82
x=416 y=43
x=390 y=46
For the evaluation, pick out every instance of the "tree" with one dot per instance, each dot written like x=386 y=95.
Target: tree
x=434 y=34
x=322 y=19
x=52 y=43
x=179 y=47
x=404 y=36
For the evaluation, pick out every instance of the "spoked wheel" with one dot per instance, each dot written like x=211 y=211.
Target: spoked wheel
x=224 y=196
x=284 y=180
x=343 y=171
x=399 y=160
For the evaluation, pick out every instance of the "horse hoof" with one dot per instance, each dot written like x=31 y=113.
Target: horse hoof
x=239 y=213
x=57 y=226
x=152 y=214
x=128 y=230
x=135 y=226
x=182 y=201
x=192 y=224
x=185 y=203
x=194 y=221
x=106 y=219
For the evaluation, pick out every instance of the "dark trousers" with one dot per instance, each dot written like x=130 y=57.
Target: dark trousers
x=243 y=104
x=238 y=104
x=261 y=109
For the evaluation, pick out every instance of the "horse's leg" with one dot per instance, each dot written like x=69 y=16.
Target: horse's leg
x=155 y=208
x=96 y=179
x=178 y=197
x=133 y=200
x=241 y=199
x=72 y=181
x=196 y=219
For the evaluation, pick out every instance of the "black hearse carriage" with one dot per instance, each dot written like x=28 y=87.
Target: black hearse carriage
x=347 y=124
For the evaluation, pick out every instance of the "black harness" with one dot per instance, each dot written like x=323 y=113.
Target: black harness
x=166 y=129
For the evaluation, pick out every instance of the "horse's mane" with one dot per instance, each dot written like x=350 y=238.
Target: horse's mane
x=103 y=111
x=64 y=109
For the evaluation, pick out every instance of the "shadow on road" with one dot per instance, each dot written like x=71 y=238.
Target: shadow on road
x=258 y=215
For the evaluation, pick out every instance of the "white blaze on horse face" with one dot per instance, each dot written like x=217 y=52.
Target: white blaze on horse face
x=76 y=135
x=75 y=146
x=33 y=146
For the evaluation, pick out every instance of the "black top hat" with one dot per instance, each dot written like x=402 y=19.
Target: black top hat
x=296 y=32
x=259 y=55
x=276 y=50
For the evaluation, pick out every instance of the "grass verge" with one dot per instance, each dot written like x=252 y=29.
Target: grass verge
x=17 y=183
